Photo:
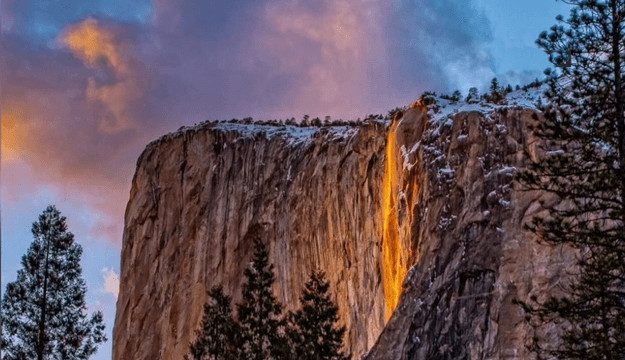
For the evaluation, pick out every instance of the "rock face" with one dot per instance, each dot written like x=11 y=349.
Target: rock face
x=200 y=197
x=417 y=221
x=471 y=257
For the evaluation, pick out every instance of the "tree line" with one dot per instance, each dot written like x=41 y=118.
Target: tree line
x=44 y=310
x=260 y=331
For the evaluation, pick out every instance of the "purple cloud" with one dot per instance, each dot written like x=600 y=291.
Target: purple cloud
x=80 y=108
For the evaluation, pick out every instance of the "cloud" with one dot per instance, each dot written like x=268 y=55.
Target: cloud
x=80 y=109
x=93 y=44
x=14 y=130
x=98 y=47
x=273 y=59
x=439 y=43
x=117 y=100
x=111 y=282
x=50 y=123
x=344 y=58
x=332 y=51
x=520 y=77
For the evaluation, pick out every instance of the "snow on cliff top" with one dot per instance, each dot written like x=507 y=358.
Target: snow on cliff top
x=526 y=99
x=296 y=135
x=291 y=133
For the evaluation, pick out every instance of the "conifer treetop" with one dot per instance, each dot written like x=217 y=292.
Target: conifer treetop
x=44 y=309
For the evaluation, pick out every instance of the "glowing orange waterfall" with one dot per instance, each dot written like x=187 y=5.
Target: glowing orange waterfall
x=394 y=266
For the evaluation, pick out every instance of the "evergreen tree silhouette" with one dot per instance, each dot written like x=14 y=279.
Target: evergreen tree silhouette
x=218 y=337
x=43 y=311
x=262 y=327
x=584 y=168
x=313 y=328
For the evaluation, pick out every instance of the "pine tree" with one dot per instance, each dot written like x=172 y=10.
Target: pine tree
x=494 y=86
x=43 y=311
x=456 y=96
x=218 y=337
x=262 y=328
x=473 y=96
x=313 y=328
x=584 y=167
x=495 y=95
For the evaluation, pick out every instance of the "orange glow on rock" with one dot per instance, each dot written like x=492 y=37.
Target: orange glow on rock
x=393 y=252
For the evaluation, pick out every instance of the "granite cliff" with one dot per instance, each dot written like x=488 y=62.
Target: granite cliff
x=416 y=222
x=469 y=254
x=201 y=196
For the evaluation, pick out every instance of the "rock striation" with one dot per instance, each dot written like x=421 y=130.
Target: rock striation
x=416 y=222
x=201 y=196
x=471 y=257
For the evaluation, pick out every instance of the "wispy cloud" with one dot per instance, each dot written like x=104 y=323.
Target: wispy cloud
x=14 y=130
x=98 y=48
x=333 y=52
x=94 y=45
x=79 y=109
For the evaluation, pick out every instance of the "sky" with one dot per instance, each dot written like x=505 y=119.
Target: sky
x=85 y=85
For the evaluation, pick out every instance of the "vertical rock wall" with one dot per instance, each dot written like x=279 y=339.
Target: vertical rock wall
x=471 y=256
x=433 y=200
x=200 y=197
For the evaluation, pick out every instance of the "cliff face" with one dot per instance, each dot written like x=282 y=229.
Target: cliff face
x=470 y=256
x=416 y=222
x=200 y=197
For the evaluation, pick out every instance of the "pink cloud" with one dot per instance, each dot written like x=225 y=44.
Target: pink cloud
x=334 y=52
x=80 y=111
x=73 y=126
x=99 y=48
x=94 y=45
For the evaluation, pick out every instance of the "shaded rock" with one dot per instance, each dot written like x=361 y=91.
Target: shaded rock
x=473 y=255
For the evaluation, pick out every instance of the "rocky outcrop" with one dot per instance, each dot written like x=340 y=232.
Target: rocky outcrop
x=471 y=256
x=417 y=221
x=201 y=196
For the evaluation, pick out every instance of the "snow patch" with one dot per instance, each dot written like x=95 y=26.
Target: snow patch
x=441 y=115
x=407 y=165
